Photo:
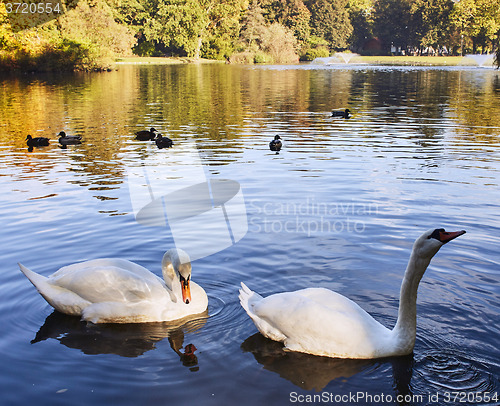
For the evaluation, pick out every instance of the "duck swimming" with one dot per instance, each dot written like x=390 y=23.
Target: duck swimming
x=146 y=135
x=111 y=290
x=163 y=142
x=37 y=141
x=341 y=113
x=276 y=144
x=322 y=322
x=69 y=139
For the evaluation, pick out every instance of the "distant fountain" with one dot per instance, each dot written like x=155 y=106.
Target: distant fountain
x=338 y=57
x=327 y=60
x=345 y=56
x=480 y=59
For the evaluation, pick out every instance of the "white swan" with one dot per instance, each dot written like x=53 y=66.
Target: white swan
x=321 y=322
x=112 y=290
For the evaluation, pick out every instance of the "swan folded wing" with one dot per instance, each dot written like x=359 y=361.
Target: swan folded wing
x=106 y=282
x=320 y=321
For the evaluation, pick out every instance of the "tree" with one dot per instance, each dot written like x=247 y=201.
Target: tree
x=361 y=17
x=392 y=23
x=478 y=20
x=292 y=14
x=330 y=20
x=431 y=21
x=189 y=26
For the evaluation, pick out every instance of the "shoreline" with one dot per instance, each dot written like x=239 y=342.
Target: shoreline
x=358 y=59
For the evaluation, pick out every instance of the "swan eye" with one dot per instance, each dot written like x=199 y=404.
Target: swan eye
x=435 y=234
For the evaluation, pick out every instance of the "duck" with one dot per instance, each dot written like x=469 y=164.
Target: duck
x=37 y=141
x=276 y=144
x=146 y=135
x=69 y=139
x=322 y=322
x=163 y=142
x=341 y=113
x=113 y=290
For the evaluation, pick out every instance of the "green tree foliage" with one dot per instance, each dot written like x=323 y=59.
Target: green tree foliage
x=430 y=22
x=479 y=21
x=85 y=37
x=194 y=28
x=392 y=22
x=330 y=20
x=423 y=23
x=262 y=42
x=361 y=17
x=292 y=14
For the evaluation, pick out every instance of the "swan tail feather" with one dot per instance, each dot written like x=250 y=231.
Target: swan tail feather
x=36 y=279
x=59 y=298
x=247 y=297
x=248 y=300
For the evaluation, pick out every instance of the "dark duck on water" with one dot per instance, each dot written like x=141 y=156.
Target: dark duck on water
x=276 y=144
x=146 y=135
x=69 y=139
x=163 y=142
x=37 y=141
x=341 y=113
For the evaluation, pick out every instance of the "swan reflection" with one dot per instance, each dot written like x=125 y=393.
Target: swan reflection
x=312 y=372
x=303 y=370
x=126 y=340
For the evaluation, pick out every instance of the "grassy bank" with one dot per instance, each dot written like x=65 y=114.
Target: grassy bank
x=150 y=60
x=417 y=60
x=370 y=60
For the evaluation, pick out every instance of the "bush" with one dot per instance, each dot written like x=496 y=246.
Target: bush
x=312 y=53
x=280 y=44
x=262 y=57
x=85 y=38
x=243 y=57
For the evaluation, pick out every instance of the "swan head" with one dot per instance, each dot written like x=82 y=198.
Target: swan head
x=429 y=243
x=176 y=269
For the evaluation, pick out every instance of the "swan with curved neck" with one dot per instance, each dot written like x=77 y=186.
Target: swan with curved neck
x=111 y=290
x=322 y=322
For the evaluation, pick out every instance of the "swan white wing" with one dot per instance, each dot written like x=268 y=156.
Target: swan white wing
x=322 y=322
x=104 y=262
x=109 y=280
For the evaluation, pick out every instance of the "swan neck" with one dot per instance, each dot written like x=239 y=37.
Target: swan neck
x=406 y=325
x=171 y=277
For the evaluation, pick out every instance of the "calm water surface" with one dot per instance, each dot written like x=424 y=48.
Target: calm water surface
x=339 y=207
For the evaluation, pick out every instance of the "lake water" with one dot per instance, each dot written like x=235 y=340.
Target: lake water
x=338 y=207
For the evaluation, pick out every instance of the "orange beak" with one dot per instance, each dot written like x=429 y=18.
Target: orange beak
x=186 y=291
x=444 y=236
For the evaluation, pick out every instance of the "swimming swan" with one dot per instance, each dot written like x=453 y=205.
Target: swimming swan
x=321 y=322
x=113 y=290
